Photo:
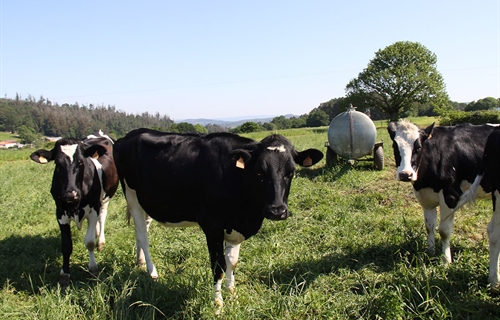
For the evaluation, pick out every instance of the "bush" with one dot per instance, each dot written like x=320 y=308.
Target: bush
x=452 y=118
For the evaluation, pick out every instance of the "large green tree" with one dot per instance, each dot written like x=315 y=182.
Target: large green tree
x=400 y=75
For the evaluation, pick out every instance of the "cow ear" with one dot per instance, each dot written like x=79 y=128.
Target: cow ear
x=41 y=156
x=391 y=128
x=94 y=151
x=240 y=157
x=308 y=157
x=427 y=132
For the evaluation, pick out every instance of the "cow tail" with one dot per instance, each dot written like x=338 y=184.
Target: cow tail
x=470 y=195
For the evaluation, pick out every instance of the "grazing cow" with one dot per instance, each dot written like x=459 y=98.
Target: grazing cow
x=488 y=179
x=441 y=162
x=223 y=183
x=84 y=180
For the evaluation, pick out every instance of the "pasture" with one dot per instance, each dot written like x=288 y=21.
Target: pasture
x=353 y=248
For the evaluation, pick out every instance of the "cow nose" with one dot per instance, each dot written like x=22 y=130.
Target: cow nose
x=71 y=196
x=405 y=176
x=278 y=212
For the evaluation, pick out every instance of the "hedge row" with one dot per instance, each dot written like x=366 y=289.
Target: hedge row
x=452 y=118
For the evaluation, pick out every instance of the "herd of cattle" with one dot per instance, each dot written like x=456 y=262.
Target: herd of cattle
x=227 y=185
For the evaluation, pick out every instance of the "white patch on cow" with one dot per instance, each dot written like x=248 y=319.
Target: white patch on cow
x=218 y=293
x=69 y=150
x=64 y=220
x=98 y=167
x=181 y=224
x=232 y=254
x=405 y=136
x=280 y=148
x=141 y=222
x=494 y=239
x=100 y=134
x=234 y=237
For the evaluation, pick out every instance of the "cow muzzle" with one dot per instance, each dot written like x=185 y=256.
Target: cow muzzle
x=277 y=212
x=71 y=197
x=406 y=176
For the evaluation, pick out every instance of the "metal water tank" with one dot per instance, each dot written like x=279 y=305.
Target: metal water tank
x=352 y=135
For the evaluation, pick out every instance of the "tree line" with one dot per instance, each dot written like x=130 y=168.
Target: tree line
x=400 y=81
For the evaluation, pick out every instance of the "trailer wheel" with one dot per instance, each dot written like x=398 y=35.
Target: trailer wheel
x=378 y=157
x=331 y=157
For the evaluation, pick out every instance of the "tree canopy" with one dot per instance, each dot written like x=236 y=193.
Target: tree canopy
x=399 y=76
x=488 y=103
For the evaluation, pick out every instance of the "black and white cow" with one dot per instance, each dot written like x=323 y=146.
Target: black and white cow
x=441 y=162
x=84 y=180
x=488 y=179
x=224 y=183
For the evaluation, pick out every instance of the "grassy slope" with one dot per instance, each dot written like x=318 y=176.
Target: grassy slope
x=353 y=248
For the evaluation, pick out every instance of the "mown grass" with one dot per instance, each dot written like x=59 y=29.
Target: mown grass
x=354 y=248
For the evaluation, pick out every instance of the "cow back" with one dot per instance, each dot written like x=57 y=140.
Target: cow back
x=181 y=172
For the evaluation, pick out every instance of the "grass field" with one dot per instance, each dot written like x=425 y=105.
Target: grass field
x=354 y=248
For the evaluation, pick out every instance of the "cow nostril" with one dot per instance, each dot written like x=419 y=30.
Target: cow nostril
x=405 y=176
x=278 y=212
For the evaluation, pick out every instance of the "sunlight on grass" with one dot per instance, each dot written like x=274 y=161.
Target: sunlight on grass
x=353 y=248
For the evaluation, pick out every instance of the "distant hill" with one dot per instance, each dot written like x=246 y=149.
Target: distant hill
x=232 y=122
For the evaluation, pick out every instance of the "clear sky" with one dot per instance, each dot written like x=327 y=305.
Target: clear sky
x=223 y=59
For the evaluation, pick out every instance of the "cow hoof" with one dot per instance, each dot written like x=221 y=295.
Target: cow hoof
x=64 y=281
x=231 y=289
x=219 y=302
x=94 y=270
x=218 y=311
x=445 y=260
x=495 y=289
x=100 y=246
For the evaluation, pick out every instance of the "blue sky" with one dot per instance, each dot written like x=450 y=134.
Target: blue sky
x=224 y=59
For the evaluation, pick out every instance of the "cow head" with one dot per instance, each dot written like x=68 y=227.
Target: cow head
x=407 y=140
x=272 y=167
x=72 y=159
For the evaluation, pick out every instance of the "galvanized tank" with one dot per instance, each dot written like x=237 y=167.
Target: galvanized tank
x=352 y=134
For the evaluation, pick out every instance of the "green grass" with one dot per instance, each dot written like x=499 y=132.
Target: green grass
x=354 y=248
x=8 y=136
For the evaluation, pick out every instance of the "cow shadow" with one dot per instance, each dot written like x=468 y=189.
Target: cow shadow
x=27 y=262
x=399 y=260
x=31 y=265
x=336 y=171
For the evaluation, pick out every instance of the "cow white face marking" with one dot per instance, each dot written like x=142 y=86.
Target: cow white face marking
x=406 y=135
x=280 y=148
x=69 y=150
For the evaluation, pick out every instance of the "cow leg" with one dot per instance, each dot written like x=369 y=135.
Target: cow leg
x=447 y=217
x=429 y=200
x=141 y=222
x=430 y=217
x=141 y=259
x=90 y=240
x=231 y=256
x=494 y=238
x=67 y=249
x=215 y=242
x=101 y=239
